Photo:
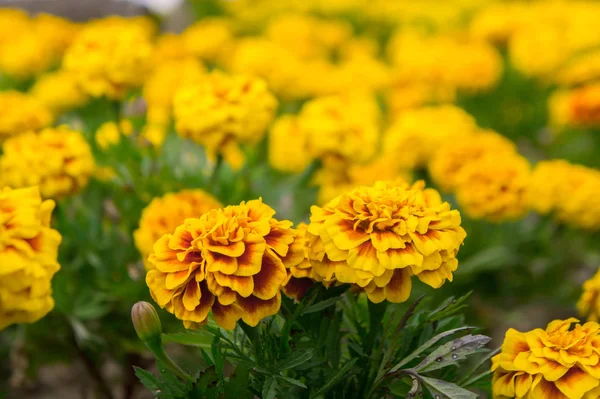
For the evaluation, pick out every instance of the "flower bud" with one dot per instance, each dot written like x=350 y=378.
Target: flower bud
x=146 y=321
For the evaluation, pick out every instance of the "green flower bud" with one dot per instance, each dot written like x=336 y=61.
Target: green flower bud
x=146 y=322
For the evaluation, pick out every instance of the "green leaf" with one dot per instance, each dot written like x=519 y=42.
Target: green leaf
x=317 y=307
x=198 y=338
x=452 y=352
x=237 y=387
x=171 y=385
x=448 y=308
x=442 y=389
x=147 y=379
x=292 y=381
x=269 y=390
x=468 y=374
x=297 y=358
x=342 y=374
x=426 y=346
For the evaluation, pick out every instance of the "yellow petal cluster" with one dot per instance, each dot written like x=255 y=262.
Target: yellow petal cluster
x=224 y=111
x=209 y=39
x=417 y=134
x=589 y=303
x=300 y=276
x=559 y=362
x=288 y=145
x=58 y=160
x=446 y=165
x=110 y=56
x=568 y=191
x=20 y=112
x=378 y=237
x=28 y=252
x=494 y=188
x=164 y=214
x=230 y=262
x=59 y=92
x=109 y=133
x=576 y=107
x=30 y=46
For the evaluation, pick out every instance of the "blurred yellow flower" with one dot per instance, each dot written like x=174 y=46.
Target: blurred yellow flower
x=576 y=107
x=378 y=237
x=109 y=134
x=209 y=39
x=169 y=47
x=20 y=112
x=59 y=92
x=110 y=56
x=300 y=276
x=288 y=145
x=403 y=96
x=580 y=69
x=28 y=255
x=230 y=261
x=558 y=362
x=448 y=162
x=589 y=303
x=165 y=213
x=569 y=191
x=59 y=160
x=498 y=22
x=344 y=127
x=494 y=187
x=224 y=111
x=417 y=134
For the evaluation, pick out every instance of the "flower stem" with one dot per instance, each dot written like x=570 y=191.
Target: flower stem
x=215 y=174
x=253 y=334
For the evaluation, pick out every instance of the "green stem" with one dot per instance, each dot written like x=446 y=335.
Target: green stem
x=253 y=334
x=214 y=178
x=376 y=313
x=174 y=368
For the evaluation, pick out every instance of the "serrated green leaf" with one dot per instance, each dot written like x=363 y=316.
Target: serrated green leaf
x=147 y=379
x=317 y=307
x=443 y=389
x=338 y=377
x=171 y=385
x=452 y=352
x=295 y=359
x=198 y=338
x=237 y=386
x=270 y=387
x=426 y=346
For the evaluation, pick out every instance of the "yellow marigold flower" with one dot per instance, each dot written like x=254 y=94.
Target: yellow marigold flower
x=582 y=69
x=409 y=95
x=559 y=362
x=209 y=39
x=378 y=237
x=169 y=47
x=28 y=252
x=59 y=92
x=164 y=214
x=223 y=111
x=154 y=134
x=568 y=190
x=576 y=107
x=288 y=145
x=164 y=81
x=20 y=112
x=109 y=134
x=497 y=22
x=449 y=160
x=230 y=261
x=109 y=57
x=494 y=187
x=59 y=160
x=589 y=303
x=300 y=276
x=417 y=134
x=345 y=127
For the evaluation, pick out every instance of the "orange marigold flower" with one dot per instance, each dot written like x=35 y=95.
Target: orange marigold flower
x=230 y=261
x=449 y=160
x=28 y=252
x=589 y=303
x=300 y=276
x=378 y=237
x=494 y=187
x=165 y=213
x=576 y=107
x=556 y=363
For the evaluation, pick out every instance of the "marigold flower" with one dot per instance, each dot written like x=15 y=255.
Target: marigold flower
x=494 y=187
x=345 y=127
x=288 y=145
x=224 y=110
x=569 y=191
x=300 y=276
x=582 y=69
x=209 y=39
x=378 y=237
x=28 y=252
x=20 y=112
x=404 y=96
x=109 y=134
x=59 y=92
x=576 y=107
x=165 y=213
x=417 y=134
x=448 y=162
x=230 y=261
x=110 y=56
x=169 y=47
x=589 y=303
x=555 y=363
x=59 y=160
x=497 y=22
